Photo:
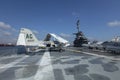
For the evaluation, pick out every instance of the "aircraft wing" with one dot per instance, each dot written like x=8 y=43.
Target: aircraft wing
x=60 y=39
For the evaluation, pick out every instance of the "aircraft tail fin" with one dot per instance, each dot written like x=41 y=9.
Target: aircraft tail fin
x=27 y=38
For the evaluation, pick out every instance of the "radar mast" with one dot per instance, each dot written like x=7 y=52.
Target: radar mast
x=80 y=38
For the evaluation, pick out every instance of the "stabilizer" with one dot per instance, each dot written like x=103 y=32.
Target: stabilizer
x=27 y=38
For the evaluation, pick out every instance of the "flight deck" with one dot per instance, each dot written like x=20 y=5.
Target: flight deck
x=71 y=64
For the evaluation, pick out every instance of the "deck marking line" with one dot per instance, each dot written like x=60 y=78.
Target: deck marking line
x=45 y=70
x=112 y=58
x=12 y=64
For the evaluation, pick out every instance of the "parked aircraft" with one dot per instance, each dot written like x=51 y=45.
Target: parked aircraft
x=60 y=40
x=108 y=46
x=111 y=46
x=94 y=45
x=28 y=39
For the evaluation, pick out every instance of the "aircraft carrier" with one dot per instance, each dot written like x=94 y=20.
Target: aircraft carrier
x=74 y=63
x=71 y=64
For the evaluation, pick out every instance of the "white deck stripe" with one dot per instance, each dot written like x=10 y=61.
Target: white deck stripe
x=6 y=57
x=45 y=70
x=12 y=64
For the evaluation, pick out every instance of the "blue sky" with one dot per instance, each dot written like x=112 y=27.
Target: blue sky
x=99 y=19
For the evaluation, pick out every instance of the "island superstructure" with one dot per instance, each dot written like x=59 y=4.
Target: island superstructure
x=80 y=38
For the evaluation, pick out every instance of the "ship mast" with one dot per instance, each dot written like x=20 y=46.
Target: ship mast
x=80 y=38
x=78 y=25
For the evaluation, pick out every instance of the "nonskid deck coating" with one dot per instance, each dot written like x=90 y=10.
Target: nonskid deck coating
x=65 y=66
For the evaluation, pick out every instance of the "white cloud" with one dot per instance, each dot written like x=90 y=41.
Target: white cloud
x=114 y=24
x=4 y=25
x=65 y=35
x=7 y=33
x=13 y=29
